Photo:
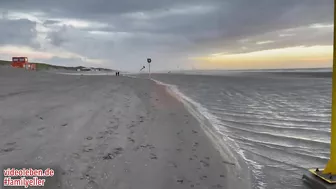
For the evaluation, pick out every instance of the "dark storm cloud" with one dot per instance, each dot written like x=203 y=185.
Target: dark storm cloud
x=62 y=35
x=56 y=37
x=93 y=9
x=17 y=32
x=231 y=21
x=174 y=28
x=234 y=17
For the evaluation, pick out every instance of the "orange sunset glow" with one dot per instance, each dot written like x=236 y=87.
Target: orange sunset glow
x=292 y=57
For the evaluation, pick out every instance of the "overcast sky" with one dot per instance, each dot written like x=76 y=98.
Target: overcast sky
x=122 y=34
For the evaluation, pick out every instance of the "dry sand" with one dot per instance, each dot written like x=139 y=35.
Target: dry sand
x=105 y=132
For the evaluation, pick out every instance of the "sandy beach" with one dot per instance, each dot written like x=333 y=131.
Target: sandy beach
x=105 y=132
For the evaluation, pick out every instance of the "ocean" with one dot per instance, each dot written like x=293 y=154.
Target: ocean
x=278 y=121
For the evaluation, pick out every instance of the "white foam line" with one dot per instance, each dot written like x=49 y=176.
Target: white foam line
x=219 y=139
x=271 y=126
x=295 y=137
x=300 y=150
x=173 y=90
x=272 y=143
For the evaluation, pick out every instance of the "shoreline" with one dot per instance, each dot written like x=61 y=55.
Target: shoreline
x=237 y=171
x=235 y=160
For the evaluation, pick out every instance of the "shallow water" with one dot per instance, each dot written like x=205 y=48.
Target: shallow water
x=281 y=122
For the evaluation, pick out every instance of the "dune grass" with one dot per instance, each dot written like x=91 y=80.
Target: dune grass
x=44 y=66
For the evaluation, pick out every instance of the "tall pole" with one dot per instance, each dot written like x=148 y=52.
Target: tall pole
x=149 y=60
x=149 y=73
x=331 y=165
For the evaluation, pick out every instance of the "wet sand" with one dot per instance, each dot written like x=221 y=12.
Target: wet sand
x=105 y=132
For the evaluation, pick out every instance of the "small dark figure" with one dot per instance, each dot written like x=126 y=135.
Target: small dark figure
x=116 y=73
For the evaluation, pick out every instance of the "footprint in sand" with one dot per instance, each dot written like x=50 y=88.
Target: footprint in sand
x=204 y=163
x=194 y=146
x=153 y=156
x=114 y=127
x=99 y=137
x=180 y=181
x=131 y=139
x=104 y=133
x=41 y=118
x=172 y=164
x=5 y=150
x=217 y=186
x=116 y=152
x=147 y=146
x=92 y=183
x=76 y=155
x=141 y=119
x=87 y=149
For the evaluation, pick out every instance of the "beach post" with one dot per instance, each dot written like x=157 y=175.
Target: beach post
x=331 y=165
x=326 y=178
x=149 y=60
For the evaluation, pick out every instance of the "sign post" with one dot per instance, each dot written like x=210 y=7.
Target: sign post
x=330 y=168
x=326 y=178
x=149 y=60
